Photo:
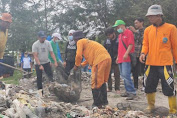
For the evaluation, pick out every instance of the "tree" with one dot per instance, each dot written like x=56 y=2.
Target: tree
x=91 y=16
x=4 y=5
x=22 y=30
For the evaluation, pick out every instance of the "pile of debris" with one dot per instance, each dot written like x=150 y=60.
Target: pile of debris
x=66 y=87
x=61 y=99
x=22 y=102
x=109 y=112
x=26 y=101
x=15 y=102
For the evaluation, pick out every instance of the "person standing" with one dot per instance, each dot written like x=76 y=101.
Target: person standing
x=126 y=38
x=138 y=69
x=96 y=56
x=159 y=48
x=70 y=53
x=111 y=44
x=5 y=21
x=55 y=38
x=41 y=49
x=26 y=64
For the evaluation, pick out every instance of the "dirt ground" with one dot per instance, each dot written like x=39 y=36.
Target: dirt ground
x=139 y=103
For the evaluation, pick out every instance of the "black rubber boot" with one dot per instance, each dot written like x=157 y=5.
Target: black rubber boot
x=104 y=94
x=96 y=97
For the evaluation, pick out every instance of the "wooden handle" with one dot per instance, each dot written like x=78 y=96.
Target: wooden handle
x=12 y=67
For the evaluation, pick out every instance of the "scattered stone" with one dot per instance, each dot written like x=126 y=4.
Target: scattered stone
x=161 y=111
x=2 y=85
x=135 y=114
x=124 y=106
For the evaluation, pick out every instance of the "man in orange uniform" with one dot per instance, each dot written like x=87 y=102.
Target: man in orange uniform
x=160 y=47
x=5 y=21
x=97 y=57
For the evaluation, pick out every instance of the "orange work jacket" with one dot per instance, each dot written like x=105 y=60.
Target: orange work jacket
x=93 y=52
x=160 y=45
x=3 y=40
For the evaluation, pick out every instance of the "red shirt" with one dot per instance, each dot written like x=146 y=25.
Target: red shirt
x=128 y=38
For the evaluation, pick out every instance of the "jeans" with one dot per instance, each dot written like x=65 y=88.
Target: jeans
x=85 y=69
x=125 y=73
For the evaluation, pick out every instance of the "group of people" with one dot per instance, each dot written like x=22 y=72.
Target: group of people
x=155 y=47
x=46 y=55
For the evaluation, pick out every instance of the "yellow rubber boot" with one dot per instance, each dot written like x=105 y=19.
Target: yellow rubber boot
x=151 y=102
x=172 y=104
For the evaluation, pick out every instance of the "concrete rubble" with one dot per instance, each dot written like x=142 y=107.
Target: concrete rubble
x=60 y=100
x=18 y=103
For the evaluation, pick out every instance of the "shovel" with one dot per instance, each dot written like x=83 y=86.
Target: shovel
x=25 y=73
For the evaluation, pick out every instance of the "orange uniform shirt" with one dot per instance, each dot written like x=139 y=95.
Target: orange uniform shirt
x=93 y=52
x=160 y=45
x=3 y=40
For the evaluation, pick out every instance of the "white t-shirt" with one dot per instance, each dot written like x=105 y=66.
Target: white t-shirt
x=26 y=62
x=42 y=50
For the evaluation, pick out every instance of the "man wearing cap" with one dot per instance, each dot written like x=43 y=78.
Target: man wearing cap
x=70 y=52
x=55 y=38
x=96 y=56
x=126 y=46
x=5 y=21
x=159 y=48
x=41 y=49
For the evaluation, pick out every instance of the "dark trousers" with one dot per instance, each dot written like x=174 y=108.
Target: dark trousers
x=69 y=66
x=100 y=96
x=137 y=70
x=1 y=68
x=48 y=71
x=114 y=68
x=28 y=70
x=152 y=76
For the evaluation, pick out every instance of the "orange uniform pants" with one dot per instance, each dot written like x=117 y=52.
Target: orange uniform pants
x=100 y=73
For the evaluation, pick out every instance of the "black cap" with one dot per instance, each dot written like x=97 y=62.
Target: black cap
x=78 y=35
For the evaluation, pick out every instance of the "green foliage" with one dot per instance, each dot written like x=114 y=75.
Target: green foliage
x=16 y=77
x=100 y=38
x=13 y=79
x=62 y=46
x=91 y=16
